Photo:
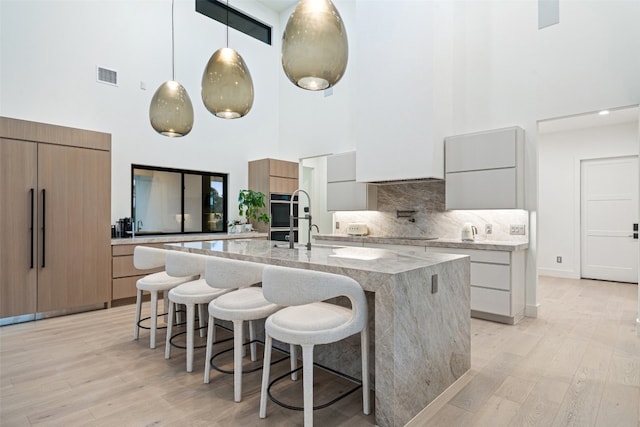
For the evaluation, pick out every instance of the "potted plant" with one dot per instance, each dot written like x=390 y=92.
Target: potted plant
x=250 y=205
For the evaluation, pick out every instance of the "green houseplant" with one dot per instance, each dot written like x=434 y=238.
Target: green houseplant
x=251 y=205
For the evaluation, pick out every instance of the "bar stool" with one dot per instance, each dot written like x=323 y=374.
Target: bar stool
x=306 y=321
x=245 y=304
x=145 y=258
x=190 y=294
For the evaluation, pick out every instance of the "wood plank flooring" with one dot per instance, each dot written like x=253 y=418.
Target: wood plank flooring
x=577 y=364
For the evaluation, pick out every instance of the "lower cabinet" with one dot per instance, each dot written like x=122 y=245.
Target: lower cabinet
x=497 y=283
x=124 y=275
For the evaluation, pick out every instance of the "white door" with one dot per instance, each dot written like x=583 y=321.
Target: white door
x=609 y=208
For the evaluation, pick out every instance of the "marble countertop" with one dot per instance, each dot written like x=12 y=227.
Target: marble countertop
x=336 y=259
x=166 y=238
x=416 y=241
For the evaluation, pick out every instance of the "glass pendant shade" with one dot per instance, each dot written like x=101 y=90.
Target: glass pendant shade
x=171 y=111
x=315 y=49
x=227 y=87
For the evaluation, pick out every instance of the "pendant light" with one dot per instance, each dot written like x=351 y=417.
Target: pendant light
x=315 y=48
x=171 y=111
x=227 y=87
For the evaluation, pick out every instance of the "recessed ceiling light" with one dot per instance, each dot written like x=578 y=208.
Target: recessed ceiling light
x=603 y=112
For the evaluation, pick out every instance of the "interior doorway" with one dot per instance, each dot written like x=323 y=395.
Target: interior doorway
x=609 y=210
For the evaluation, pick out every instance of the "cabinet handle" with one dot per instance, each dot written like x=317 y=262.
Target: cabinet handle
x=43 y=226
x=31 y=228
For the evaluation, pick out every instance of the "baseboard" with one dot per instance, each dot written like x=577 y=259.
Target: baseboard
x=422 y=418
x=563 y=274
x=531 y=310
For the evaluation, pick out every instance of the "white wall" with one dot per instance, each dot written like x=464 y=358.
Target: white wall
x=560 y=154
x=49 y=52
x=505 y=72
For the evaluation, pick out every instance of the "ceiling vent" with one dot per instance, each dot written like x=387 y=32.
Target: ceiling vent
x=107 y=76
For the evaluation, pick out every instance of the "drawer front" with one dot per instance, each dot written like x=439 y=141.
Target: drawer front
x=124 y=287
x=119 y=250
x=491 y=301
x=491 y=276
x=122 y=266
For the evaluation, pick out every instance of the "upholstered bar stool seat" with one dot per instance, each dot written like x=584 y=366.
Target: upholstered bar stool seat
x=147 y=258
x=245 y=304
x=191 y=294
x=307 y=321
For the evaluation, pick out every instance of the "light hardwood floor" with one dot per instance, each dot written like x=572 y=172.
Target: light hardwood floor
x=577 y=364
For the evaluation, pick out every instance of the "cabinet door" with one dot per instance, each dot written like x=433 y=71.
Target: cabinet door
x=487 y=189
x=18 y=255
x=351 y=196
x=484 y=150
x=282 y=185
x=75 y=269
x=341 y=167
x=283 y=168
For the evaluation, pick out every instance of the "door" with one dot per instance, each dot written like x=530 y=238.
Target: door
x=18 y=254
x=609 y=209
x=75 y=269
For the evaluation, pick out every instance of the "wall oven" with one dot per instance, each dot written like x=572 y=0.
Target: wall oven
x=279 y=211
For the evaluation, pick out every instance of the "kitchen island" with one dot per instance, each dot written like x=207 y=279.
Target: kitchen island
x=418 y=313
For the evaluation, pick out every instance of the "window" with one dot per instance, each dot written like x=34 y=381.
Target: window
x=244 y=23
x=169 y=201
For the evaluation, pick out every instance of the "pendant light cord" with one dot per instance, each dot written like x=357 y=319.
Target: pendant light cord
x=227 y=23
x=173 y=47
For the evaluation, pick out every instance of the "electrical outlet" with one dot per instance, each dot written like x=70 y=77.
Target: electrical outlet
x=488 y=229
x=337 y=225
x=516 y=229
x=559 y=259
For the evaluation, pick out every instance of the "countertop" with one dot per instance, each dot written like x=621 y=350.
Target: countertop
x=167 y=238
x=334 y=259
x=436 y=243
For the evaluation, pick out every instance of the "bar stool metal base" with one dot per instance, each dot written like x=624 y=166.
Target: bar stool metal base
x=258 y=368
x=320 y=406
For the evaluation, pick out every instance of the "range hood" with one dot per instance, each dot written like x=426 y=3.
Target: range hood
x=405 y=181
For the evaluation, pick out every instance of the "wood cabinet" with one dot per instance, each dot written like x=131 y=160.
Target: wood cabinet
x=343 y=192
x=55 y=220
x=271 y=176
x=485 y=170
x=124 y=274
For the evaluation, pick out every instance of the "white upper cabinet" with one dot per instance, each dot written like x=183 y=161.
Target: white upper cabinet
x=396 y=105
x=485 y=170
x=343 y=192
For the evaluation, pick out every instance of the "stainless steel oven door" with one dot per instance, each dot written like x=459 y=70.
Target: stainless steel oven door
x=279 y=207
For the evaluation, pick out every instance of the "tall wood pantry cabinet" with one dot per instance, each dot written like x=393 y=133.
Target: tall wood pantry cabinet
x=55 y=251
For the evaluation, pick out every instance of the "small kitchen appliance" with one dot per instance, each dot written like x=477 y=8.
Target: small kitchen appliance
x=469 y=232
x=357 y=229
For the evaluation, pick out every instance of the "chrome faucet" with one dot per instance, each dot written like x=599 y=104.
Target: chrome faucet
x=292 y=218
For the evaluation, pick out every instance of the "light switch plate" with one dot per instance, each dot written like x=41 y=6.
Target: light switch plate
x=518 y=229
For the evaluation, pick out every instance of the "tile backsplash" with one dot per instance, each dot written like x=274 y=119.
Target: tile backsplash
x=426 y=199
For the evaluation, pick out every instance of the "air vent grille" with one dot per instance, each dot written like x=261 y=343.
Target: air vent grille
x=107 y=76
